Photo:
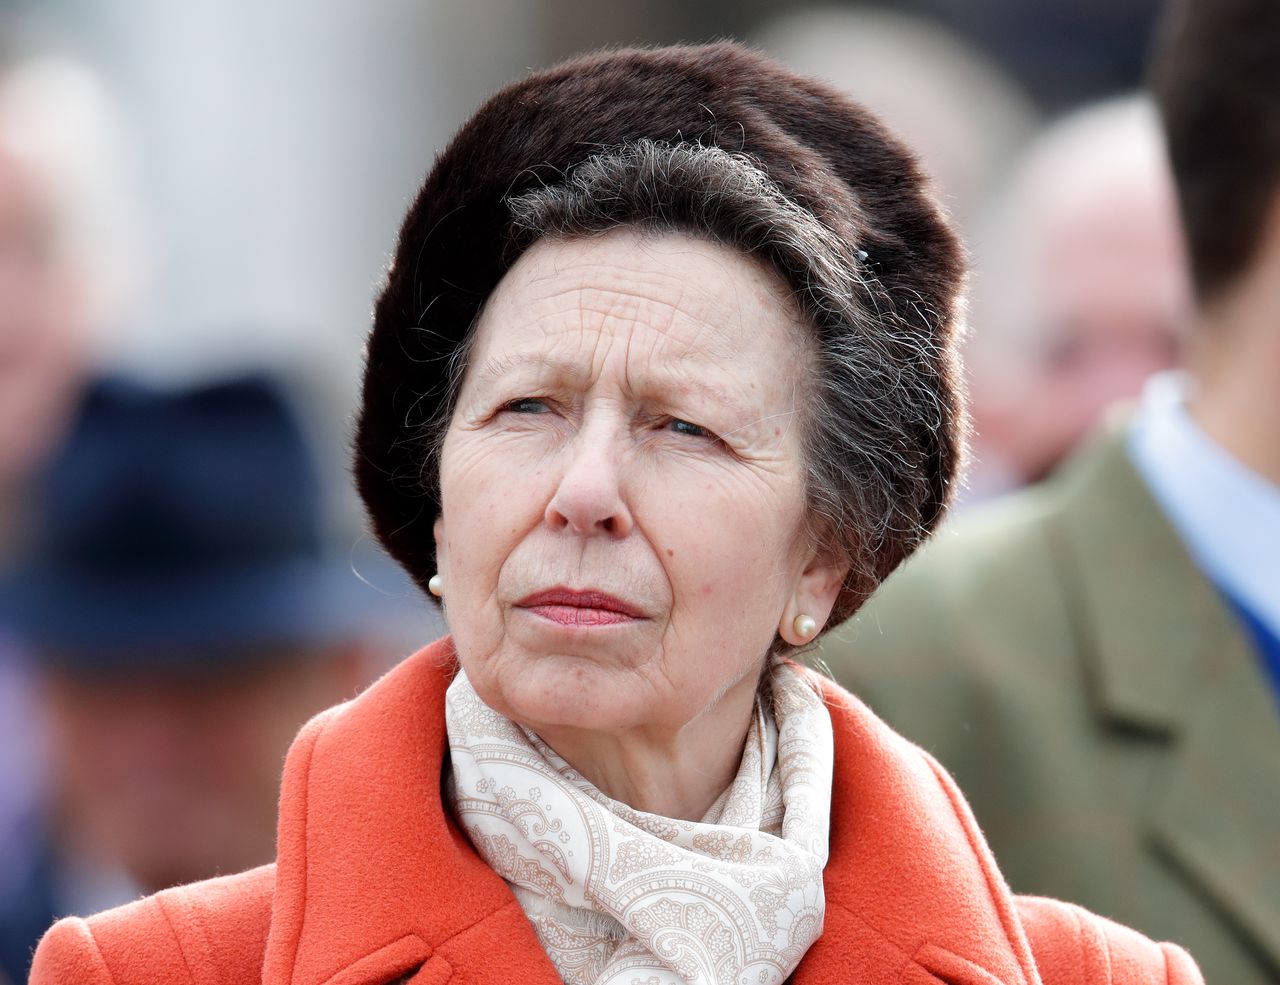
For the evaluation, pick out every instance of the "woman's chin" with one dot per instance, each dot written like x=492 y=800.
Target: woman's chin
x=565 y=690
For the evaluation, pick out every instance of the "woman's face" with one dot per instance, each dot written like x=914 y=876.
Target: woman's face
x=622 y=485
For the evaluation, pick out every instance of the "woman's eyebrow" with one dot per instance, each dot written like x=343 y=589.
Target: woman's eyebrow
x=659 y=383
x=498 y=368
x=674 y=379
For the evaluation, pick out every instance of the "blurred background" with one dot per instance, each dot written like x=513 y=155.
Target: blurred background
x=197 y=202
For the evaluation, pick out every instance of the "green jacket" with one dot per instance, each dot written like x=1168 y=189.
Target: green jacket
x=1101 y=708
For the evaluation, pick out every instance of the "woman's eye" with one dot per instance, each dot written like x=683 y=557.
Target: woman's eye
x=527 y=405
x=689 y=428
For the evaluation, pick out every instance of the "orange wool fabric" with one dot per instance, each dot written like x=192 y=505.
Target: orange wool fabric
x=374 y=883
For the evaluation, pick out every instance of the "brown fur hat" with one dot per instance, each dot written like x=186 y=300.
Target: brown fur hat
x=824 y=151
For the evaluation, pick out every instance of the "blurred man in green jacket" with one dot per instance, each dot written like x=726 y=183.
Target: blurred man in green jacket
x=1098 y=659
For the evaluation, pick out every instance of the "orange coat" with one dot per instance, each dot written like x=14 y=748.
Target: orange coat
x=375 y=884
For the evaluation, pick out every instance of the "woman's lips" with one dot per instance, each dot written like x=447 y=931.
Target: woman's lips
x=580 y=607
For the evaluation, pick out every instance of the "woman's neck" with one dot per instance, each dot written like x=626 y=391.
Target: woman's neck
x=1235 y=360
x=1236 y=367
x=672 y=775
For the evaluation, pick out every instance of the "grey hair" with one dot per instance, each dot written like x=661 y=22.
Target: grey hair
x=870 y=393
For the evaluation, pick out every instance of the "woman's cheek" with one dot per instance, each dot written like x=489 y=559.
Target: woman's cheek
x=486 y=467
x=474 y=552
x=492 y=500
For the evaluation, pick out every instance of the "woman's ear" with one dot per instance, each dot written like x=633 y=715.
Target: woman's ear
x=814 y=597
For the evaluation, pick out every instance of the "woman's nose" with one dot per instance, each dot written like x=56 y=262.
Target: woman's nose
x=589 y=499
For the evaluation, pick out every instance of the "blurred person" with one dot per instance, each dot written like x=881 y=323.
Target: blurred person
x=71 y=266
x=1066 y=52
x=1098 y=658
x=661 y=384
x=1080 y=292
x=72 y=259
x=954 y=106
x=187 y=617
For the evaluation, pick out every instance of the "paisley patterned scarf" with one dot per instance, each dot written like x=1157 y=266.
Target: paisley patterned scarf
x=618 y=896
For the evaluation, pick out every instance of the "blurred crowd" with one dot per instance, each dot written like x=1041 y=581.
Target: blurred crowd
x=180 y=587
x=186 y=259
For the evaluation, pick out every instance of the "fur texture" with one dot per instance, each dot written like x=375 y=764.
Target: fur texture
x=828 y=154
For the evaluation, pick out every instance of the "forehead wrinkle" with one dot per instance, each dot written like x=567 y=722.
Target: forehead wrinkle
x=704 y=328
x=649 y=373
x=621 y=289
x=664 y=316
x=592 y=311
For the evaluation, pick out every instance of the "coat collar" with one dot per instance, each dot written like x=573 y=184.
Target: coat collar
x=1167 y=656
x=373 y=879
x=1147 y=614
x=375 y=882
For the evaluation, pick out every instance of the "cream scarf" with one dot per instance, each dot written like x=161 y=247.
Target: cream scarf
x=618 y=896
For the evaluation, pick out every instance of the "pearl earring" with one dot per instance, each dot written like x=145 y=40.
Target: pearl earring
x=436 y=586
x=805 y=626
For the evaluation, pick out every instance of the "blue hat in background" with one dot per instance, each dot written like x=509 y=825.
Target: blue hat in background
x=180 y=525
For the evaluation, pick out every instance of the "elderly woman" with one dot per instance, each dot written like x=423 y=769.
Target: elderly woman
x=661 y=385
